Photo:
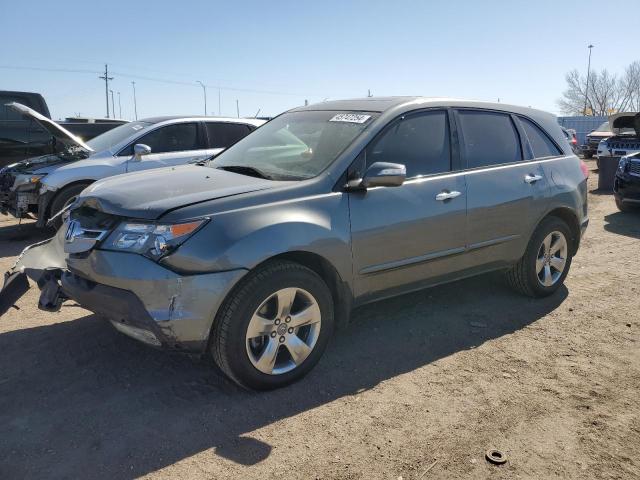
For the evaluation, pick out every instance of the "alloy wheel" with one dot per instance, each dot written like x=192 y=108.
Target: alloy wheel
x=551 y=259
x=283 y=331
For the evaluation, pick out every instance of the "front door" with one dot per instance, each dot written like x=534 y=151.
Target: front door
x=403 y=236
x=171 y=145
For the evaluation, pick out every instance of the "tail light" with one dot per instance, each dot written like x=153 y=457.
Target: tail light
x=584 y=168
x=574 y=140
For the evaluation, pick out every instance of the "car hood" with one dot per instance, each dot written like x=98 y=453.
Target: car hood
x=62 y=135
x=624 y=120
x=149 y=194
x=35 y=164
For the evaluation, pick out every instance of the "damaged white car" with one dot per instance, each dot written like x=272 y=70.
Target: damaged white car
x=45 y=185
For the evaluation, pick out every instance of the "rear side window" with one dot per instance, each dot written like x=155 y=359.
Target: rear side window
x=540 y=142
x=420 y=142
x=489 y=138
x=223 y=135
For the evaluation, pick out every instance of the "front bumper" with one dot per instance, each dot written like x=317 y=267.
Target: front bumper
x=142 y=298
x=627 y=188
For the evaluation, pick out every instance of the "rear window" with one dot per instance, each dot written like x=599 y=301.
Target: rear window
x=489 y=138
x=540 y=142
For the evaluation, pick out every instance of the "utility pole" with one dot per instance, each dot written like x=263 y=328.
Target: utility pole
x=586 y=91
x=237 y=108
x=106 y=79
x=204 y=90
x=119 y=106
x=113 y=106
x=219 y=109
x=135 y=105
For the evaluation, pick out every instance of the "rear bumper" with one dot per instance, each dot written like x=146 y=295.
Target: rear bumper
x=146 y=301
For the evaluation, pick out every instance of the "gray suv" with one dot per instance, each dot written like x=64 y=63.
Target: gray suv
x=256 y=255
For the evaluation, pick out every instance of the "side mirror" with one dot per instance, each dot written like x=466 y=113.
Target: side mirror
x=381 y=174
x=140 y=149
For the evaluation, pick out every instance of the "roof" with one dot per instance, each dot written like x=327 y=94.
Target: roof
x=382 y=104
x=248 y=121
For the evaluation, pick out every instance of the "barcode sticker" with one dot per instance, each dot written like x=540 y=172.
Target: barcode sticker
x=350 y=118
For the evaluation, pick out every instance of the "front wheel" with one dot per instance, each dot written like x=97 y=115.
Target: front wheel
x=63 y=199
x=274 y=327
x=546 y=261
x=622 y=206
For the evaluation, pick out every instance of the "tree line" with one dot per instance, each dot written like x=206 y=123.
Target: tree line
x=607 y=93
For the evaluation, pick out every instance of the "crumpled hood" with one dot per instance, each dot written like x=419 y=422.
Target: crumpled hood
x=623 y=120
x=148 y=194
x=62 y=135
x=35 y=164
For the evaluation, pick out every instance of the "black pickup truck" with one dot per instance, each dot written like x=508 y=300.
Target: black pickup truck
x=20 y=138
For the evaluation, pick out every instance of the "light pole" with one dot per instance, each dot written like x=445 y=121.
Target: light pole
x=586 y=91
x=219 y=109
x=113 y=107
x=119 y=105
x=135 y=105
x=204 y=90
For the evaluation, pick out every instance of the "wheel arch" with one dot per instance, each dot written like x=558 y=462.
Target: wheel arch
x=568 y=216
x=62 y=189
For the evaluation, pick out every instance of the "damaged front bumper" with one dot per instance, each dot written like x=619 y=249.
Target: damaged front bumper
x=138 y=296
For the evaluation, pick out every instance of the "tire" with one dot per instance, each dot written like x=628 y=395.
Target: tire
x=62 y=199
x=244 y=357
x=588 y=155
x=525 y=277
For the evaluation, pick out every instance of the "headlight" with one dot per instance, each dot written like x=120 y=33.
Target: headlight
x=622 y=164
x=152 y=239
x=27 y=182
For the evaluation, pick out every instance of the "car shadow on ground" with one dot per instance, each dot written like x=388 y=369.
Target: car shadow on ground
x=77 y=399
x=15 y=237
x=623 y=223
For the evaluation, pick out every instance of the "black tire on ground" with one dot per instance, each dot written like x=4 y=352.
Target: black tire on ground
x=522 y=277
x=228 y=341
x=62 y=199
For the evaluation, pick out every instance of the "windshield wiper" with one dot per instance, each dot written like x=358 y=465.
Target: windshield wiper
x=244 y=170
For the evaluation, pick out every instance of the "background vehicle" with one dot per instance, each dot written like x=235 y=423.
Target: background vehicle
x=593 y=139
x=572 y=138
x=22 y=138
x=626 y=186
x=258 y=253
x=44 y=185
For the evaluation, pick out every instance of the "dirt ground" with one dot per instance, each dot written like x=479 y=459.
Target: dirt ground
x=417 y=387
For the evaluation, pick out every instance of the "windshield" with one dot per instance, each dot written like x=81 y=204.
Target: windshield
x=295 y=145
x=116 y=135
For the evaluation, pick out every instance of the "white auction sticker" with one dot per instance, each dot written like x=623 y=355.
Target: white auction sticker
x=350 y=118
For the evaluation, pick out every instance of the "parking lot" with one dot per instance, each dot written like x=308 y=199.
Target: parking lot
x=419 y=386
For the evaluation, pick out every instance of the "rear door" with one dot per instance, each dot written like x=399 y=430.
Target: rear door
x=504 y=186
x=222 y=135
x=174 y=144
x=405 y=235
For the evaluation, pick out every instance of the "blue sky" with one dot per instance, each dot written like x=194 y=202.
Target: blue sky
x=272 y=55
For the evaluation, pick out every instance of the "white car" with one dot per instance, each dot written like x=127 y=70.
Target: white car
x=43 y=186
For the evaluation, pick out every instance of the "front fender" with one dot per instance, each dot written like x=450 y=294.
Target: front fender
x=244 y=238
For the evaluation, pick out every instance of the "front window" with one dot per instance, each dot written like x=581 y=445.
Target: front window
x=109 y=139
x=295 y=145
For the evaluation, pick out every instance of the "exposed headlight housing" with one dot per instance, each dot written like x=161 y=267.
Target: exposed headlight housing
x=27 y=181
x=152 y=239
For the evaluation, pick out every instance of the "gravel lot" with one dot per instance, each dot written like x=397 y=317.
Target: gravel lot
x=438 y=376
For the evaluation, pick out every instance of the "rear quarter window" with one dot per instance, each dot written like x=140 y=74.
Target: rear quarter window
x=540 y=142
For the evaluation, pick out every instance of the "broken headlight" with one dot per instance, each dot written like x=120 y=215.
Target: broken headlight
x=152 y=239
x=27 y=182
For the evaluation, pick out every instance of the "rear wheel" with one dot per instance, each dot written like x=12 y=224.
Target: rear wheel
x=546 y=261
x=274 y=327
x=63 y=199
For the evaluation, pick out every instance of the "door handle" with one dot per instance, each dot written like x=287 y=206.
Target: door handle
x=532 y=178
x=442 y=196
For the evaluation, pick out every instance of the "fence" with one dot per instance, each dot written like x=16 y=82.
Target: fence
x=582 y=125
